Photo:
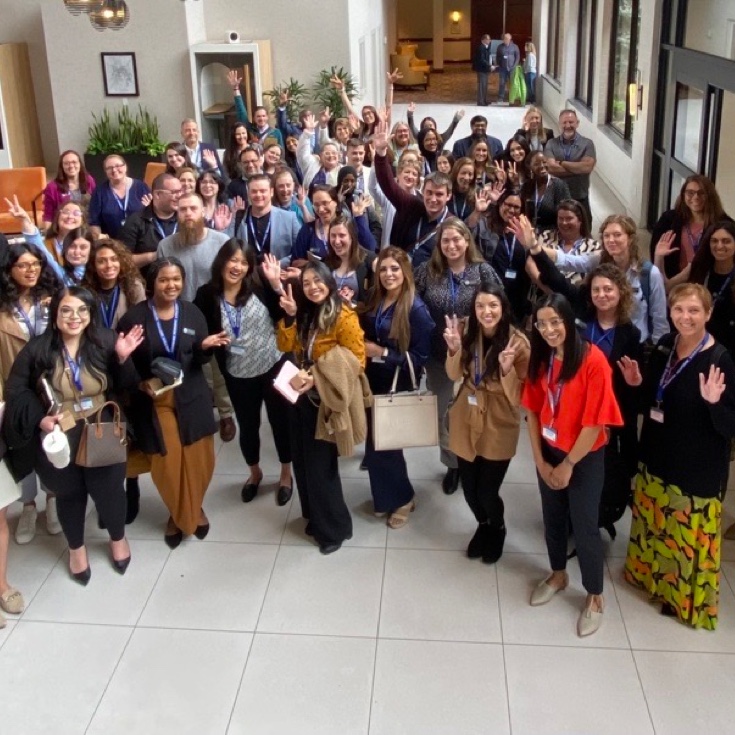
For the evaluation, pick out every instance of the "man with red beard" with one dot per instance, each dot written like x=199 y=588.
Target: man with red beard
x=195 y=245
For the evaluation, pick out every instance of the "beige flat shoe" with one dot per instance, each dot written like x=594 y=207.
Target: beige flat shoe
x=544 y=592
x=399 y=517
x=12 y=602
x=589 y=621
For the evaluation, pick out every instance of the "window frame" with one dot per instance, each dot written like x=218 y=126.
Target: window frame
x=585 y=62
x=635 y=19
x=553 y=51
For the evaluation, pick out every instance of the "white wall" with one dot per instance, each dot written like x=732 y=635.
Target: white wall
x=710 y=27
x=366 y=26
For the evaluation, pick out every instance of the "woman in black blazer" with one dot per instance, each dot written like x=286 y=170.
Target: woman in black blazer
x=237 y=301
x=175 y=427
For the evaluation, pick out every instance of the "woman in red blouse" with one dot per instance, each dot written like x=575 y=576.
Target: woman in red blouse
x=570 y=400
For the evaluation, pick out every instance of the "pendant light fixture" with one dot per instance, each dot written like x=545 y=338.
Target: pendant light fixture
x=113 y=15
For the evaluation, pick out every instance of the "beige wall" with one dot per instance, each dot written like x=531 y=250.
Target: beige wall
x=414 y=19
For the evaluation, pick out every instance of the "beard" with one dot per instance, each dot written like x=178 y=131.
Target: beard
x=191 y=233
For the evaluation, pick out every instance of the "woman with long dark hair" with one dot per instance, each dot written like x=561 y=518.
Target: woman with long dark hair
x=430 y=145
x=212 y=189
x=72 y=184
x=83 y=364
x=236 y=145
x=325 y=335
x=237 y=301
x=398 y=328
x=176 y=156
x=570 y=401
x=491 y=360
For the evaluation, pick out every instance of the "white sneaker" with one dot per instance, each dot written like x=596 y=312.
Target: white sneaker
x=52 y=517
x=26 y=528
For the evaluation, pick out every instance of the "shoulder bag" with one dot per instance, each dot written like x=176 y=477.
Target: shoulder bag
x=103 y=443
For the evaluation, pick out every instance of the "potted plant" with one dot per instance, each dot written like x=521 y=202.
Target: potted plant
x=325 y=95
x=297 y=96
x=136 y=138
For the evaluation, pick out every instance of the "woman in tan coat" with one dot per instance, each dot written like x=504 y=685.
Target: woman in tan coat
x=491 y=360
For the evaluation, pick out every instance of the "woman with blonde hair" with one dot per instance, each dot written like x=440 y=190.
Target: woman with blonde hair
x=397 y=329
x=447 y=283
x=529 y=71
x=533 y=129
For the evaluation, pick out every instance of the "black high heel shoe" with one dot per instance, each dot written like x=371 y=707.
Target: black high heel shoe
x=173 y=539
x=82 y=577
x=120 y=565
x=284 y=493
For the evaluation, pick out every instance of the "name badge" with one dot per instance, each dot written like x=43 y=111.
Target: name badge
x=510 y=274
x=86 y=404
x=188 y=331
x=657 y=415
x=472 y=400
x=236 y=350
x=548 y=433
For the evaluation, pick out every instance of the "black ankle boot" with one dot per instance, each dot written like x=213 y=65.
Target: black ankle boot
x=478 y=542
x=450 y=483
x=494 y=545
x=132 y=492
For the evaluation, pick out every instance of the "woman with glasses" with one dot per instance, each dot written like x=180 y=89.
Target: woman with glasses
x=27 y=284
x=213 y=191
x=679 y=230
x=313 y=237
x=84 y=365
x=570 y=401
x=114 y=200
x=72 y=184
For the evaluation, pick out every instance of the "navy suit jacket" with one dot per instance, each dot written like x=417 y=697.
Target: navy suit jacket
x=462 y=147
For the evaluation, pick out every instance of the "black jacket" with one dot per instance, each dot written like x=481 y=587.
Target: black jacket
x=193 y=397
x=482 y=59
x=139 y=234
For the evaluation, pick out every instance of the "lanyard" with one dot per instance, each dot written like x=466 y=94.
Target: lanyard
x=75 y=368
x=234 y=317
x=567 y=149
x=421 y=240
x=606 y=335
x=454 y=289
x=724 y=286
x=170 y=347
x=254 y=232
x=108 y=309
x=554 y=397
x=694 y=240
x=31 y=326
x=122 y=203
x=510 y=248
x=672 y=372
x=341 y=280
x=382 y=316
x=478 y=375
x=322 y=247
x=459 y=213
x=159 y=227
x=538 y=199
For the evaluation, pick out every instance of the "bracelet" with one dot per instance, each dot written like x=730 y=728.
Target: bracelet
x=569 y=461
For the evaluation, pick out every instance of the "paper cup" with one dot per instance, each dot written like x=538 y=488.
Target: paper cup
x=56 y=446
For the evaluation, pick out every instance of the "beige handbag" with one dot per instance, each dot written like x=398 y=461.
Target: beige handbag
x=407 y=419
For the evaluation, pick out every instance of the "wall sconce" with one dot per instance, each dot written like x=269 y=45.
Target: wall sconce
x=454 y=16
x=635 y=97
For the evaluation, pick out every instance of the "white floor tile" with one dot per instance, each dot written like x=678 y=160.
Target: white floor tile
x=211 y=586
x=427 y=687
x=688 y=692
x=305 y=684
x=53 y=675
x=29 y=565
x=11 y=622
x=412 y=608
x=109 y=598
x=337 y=594
x=523 y=519
x=556 y=622
x=574 y=690
x=173 y=681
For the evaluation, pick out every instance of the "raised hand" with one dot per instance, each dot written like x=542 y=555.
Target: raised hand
x=383 y=114
x=238 y=204
x=287 y=301
x=451 y=335
x=146 y=199
x=394 y=76
x=358 y=206
x=346 y=294
x=664 y=246
x=354 y=122
x=309 y=122
x=215 y=340
x=482 y=201
x=234 y=79
x=283 y=98
x=222 y=217
x=507 y=357
x=300 y=195
x=500 y=175
x=631 y=371
x=460 y=114
x=411 y=107
x=209 y=158
x=380 y=137
x=14 y=208
x=337 y=83
x=126 y=344
x=272 y=271
x=523 y=231
x=512 y=172
x=713 y=386
x=495 y=190
x=324 y=117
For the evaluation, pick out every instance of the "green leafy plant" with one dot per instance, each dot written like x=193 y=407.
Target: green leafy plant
x=125 y=133
x=298 y=94
x=325 y=95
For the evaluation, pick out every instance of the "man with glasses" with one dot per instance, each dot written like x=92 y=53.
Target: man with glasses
x=250 y=164
x=144 y=230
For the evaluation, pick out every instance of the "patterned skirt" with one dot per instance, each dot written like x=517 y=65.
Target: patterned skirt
x=674 y=549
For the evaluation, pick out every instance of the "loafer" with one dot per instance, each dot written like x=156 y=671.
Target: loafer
x=544 y=592
x=12 y=602
x=249 y=491
x=589 y=622
x=284 y=494
x=227 y=429
x=330 y=548
x=450 y=483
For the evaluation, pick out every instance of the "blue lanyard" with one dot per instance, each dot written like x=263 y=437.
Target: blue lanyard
x=382 y=316
x=421 y=240
x=457 y=211
x=31 y=326
x=170 y=347
x=510 y=248
x=554 y=397
x=453 y=291
x=567 y=150
x=538 y=199
x=606 y=335
x=75 y=368
x=234 y=317
x=159 y=227
x=108 y=310
x=672 y=372
x=254 y=232
x=727 y=282
x=122 y=203
x=694 y=240
x=478 y=375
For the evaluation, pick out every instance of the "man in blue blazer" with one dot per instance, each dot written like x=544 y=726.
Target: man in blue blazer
x=478 y=125
x=203 y=156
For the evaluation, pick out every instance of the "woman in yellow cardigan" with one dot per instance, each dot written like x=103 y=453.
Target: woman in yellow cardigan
x=319 y=322
x=491 y=359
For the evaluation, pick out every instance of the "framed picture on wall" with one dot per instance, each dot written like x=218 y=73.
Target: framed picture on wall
x=120 y=74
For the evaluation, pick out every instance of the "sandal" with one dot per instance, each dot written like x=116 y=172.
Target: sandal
x=12 y=602
x=399 y=517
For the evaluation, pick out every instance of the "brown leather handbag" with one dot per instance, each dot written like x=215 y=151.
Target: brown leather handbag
x=103 y=443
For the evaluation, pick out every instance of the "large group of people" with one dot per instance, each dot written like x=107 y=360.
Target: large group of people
x=324 y=261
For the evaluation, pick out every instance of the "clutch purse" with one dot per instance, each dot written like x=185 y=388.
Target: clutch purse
x=168 y=371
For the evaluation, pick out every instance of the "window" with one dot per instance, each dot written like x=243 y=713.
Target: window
x=553 y=58
x=586 y=24
x=623 y=63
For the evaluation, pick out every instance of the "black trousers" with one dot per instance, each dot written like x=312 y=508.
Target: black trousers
x=580 y=500
x=247 y=396
x=481 y=481
x=317 y=477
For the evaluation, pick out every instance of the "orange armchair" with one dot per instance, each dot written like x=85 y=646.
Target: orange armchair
x=152 y=169
x=28 y=185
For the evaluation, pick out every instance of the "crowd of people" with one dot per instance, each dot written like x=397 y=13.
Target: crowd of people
x=323 y=261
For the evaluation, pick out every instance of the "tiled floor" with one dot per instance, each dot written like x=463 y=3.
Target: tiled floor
x=253 y=631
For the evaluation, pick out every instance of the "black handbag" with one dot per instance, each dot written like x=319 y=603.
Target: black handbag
x=166 y=370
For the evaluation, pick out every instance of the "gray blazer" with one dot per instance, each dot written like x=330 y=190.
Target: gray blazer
x=284 y=231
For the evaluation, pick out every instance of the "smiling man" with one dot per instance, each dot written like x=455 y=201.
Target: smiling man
x=478 y=125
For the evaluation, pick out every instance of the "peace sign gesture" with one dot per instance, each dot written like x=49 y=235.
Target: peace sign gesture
x=287 y=301
x=451 y=335
x=713 y=386
x=337 y=83
x=508 y=356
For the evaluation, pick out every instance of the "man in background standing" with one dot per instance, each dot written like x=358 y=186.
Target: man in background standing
x=507 y=58
x=481 y=65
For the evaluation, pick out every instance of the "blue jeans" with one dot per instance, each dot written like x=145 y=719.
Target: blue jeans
x=504 y=75
x=530 y=86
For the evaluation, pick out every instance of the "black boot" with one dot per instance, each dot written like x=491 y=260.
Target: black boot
x=132 y=492
x=478 y=542
x=450 y=483
x=494 y=545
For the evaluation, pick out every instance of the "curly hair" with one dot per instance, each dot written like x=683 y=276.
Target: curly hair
x=129 y=273
x=628 y=226
x=627 y=304
x=47 y=285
